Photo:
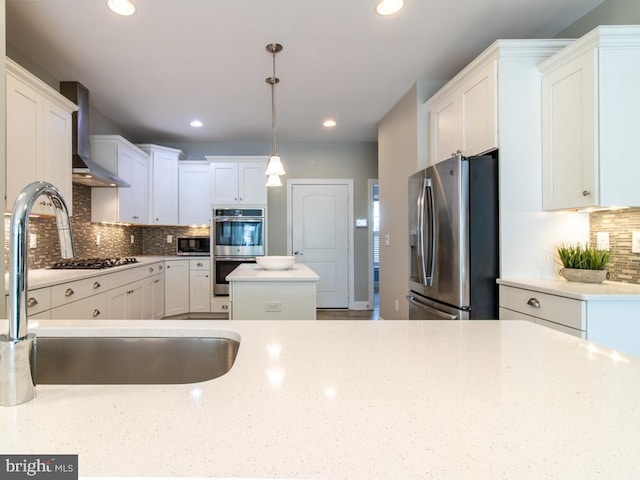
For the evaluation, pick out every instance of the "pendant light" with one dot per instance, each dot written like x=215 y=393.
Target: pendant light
x=274 y=168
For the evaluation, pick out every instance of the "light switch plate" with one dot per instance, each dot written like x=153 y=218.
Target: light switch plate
x=169 y=238
x=603 y=240
x=387 y=240
x=33 y=240
x=361 y=222
x=635 y=242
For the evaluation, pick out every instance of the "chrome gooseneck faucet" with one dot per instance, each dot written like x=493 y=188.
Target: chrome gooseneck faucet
x=17 y=354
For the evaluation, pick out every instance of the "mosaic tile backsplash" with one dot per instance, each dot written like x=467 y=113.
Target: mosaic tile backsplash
x=624 y=265
x=115 y=240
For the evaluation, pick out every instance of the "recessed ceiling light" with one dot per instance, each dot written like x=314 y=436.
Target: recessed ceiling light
x=389 y=7
x=122 y=7
x=196 y=123
x=329 y=123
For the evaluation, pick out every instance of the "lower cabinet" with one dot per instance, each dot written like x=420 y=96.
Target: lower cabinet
x=154 y=298
x=176 y=287
x=126 y=302
x=200 y=285
x=610 y=319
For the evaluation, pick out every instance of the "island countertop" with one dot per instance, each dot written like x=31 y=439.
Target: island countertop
x=351 y=400
x=251 y=272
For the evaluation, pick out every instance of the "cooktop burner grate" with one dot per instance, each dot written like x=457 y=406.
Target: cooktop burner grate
x=93 y=263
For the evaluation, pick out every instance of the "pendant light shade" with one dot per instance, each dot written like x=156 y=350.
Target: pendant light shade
x=274 y=168
x=274 y=181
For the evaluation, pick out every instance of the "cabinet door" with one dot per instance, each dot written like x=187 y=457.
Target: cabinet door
x=445 y=129
x=479 y=111
x=116 y=303
x=134 y=304
x=140 y=189
x=165 y=189
x=57 y=150
x=252 y=189
x=194 y=194
x=568 y=135
x=24 y=134
x=176 y=287
x=224 y=183
x=157 y=297
x=126 y=160
x=199 y=291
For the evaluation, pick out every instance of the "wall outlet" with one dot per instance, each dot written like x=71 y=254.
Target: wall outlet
x=635 y=242
x=98 y=239
x=33 y=240
x=387 y=240
x=602 y=239
x=273 y=306
x=396 y=305
x=169 y=238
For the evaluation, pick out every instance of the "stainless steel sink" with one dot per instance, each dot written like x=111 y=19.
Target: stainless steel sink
x=132 y=360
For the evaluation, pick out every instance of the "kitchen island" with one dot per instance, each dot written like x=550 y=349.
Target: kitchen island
x=351 y=400
x=259 y=294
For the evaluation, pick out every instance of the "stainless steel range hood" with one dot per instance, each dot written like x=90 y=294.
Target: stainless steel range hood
x=84 y=170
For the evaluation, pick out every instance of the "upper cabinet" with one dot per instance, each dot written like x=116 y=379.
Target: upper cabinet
x=118 y=204
x=38 y=137
x=463 y=115
x=238 y=181
x=163 y=185
x=590 y=105
x=195 y=197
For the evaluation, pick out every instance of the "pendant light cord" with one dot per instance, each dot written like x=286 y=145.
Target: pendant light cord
x=274 y=80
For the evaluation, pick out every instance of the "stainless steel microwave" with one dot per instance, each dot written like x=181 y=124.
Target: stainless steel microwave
x=200 y=246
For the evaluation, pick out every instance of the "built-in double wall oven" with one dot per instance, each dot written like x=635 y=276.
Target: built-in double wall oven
x=238 y=236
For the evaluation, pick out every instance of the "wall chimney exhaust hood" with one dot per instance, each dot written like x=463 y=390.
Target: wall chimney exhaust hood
x=84 y=170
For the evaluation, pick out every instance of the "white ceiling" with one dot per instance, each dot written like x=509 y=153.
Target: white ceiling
x=176 y=60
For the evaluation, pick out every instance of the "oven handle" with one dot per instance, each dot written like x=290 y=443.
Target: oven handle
x=236 y=259
x=238 y=219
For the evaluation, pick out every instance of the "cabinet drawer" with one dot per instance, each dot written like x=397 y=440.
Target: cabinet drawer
x=90 y=308
x=38 y=300
x=199 y=264
x=74 y=291
x=506 y=314
x=560 y=310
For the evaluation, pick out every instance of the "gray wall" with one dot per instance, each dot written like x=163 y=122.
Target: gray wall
x=332 y=160
x=610 y=12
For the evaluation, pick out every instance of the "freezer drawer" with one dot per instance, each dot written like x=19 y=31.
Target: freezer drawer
x=422 y=308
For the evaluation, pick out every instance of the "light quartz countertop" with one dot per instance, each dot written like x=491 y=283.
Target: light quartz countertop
x=606 y=290
x=251 y=272
x=352 y=400
x=45 y=277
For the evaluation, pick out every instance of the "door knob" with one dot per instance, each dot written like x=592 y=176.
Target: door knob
x=298 y=253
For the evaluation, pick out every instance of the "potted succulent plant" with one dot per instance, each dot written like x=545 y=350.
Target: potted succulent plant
x=583 y=263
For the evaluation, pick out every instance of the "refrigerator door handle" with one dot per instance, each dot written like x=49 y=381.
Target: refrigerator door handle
x=434 y=311
x=430 y=256
x=422 y=271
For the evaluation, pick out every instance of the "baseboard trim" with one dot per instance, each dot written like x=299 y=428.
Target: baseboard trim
x=359 y=306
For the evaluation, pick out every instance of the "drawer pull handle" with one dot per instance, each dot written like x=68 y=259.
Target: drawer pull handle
x=68 y=292
x=534 y=302
x=199 y=264
x=96 y=285
x=95 y=313
x=586 y=193
x=150 y=269
x=32 y=302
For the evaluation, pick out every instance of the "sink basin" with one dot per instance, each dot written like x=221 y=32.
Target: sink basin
x=276 y=262
x=132 y=360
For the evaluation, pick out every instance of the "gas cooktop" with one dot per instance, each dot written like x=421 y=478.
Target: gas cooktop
x=93 y=263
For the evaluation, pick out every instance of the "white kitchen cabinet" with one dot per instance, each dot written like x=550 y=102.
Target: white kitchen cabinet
x=163 y=184
x=200 y=291
x=176 y=287
x=590 y=104
x=606 y=314
x=38 y=137
x=119 y=204
x=126 y=302
x=194 y=193
x=463 y=115
x=238 y=181
x=38 y=302
x=89 y=308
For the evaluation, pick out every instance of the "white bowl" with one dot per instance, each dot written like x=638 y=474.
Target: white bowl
x=275 y=262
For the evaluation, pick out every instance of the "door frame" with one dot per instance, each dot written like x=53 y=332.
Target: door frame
x=370 y=184
x=350 y=234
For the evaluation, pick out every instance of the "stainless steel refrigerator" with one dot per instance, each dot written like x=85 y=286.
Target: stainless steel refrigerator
x=453 y=240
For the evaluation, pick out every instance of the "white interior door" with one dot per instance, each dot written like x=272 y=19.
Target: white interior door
x=320 y=238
